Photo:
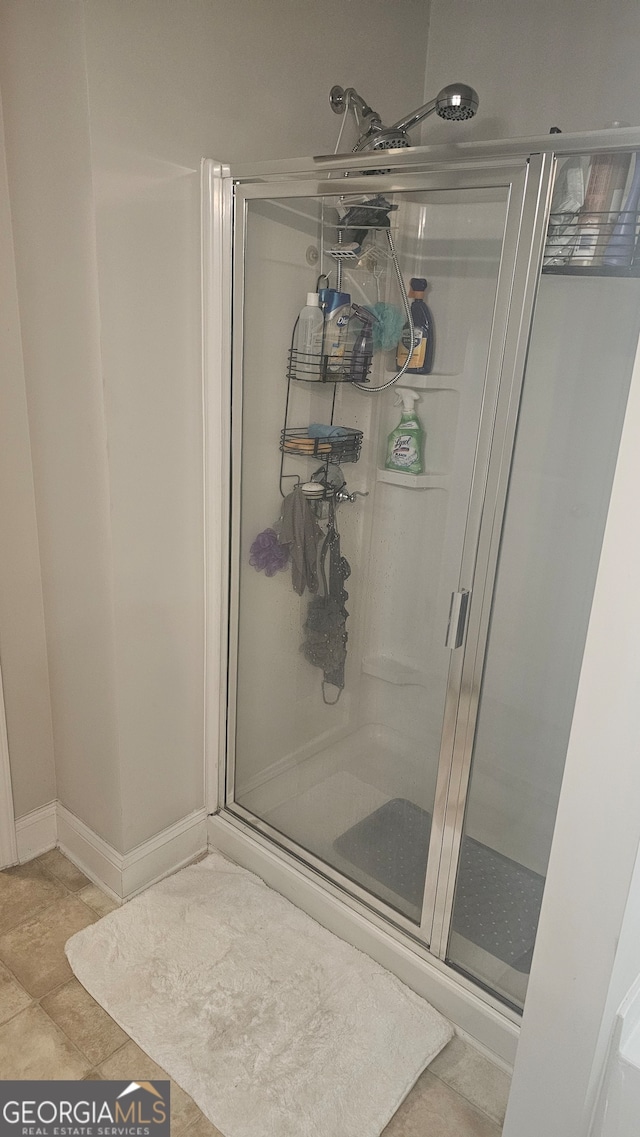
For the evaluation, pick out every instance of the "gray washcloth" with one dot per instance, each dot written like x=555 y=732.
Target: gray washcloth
x=299 y=530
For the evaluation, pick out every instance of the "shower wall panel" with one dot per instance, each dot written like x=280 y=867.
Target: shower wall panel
x=414 y=560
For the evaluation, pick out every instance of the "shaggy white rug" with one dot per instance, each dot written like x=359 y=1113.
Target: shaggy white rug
x=275 y=1026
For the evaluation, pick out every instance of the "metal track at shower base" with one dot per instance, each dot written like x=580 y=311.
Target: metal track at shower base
x=489 y=1023
x=358 y=903
x=347 y=887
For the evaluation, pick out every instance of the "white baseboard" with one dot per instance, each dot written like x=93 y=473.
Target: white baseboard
x=164 y=853
x=90 y=853
x=121 y=875
x=124 y=875
x=37 y=832
x=8 y=842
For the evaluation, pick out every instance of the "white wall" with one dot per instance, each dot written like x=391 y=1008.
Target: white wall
x=23 y=649
x=572 y=998
x=110 y=106
x=571 y=64
x=624 y=975
x=50 y=185
x=249 y=81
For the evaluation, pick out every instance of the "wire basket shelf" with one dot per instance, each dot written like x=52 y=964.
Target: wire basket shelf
x=602 y=244
x=342 y=446
x=346 y=367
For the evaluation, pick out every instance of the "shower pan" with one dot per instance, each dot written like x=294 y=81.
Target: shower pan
x=414 y=813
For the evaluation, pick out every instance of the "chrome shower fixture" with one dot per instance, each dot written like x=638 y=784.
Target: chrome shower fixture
x=455 y=103
x=349 y=99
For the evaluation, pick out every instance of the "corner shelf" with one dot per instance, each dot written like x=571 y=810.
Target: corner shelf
x=413 y=481
x=436 y=381
x=394 y=671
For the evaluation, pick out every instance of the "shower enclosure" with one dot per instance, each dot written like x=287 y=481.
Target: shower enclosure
x=422 y=794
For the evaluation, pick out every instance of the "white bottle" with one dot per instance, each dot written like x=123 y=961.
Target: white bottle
x=307 y=343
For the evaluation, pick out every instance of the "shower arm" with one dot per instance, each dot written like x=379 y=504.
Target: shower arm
x=415 y=117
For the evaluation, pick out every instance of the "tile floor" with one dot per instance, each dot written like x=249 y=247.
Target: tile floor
x=51 y=1028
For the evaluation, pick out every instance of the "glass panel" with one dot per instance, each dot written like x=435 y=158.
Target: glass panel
x=577 y=377
x=349 y=773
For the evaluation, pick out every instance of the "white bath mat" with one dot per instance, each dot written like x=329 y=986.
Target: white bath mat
x=275 y=1026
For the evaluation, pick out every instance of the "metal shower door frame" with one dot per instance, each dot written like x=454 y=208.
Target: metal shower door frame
x=527 y=180
x=480 y=554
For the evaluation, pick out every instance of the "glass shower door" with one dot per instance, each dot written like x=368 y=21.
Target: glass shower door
x=571 y=414
x=367 y=578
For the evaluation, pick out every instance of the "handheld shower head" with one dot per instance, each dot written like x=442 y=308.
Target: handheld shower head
x=457 y=102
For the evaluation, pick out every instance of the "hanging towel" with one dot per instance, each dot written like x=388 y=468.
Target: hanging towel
x=325 y=643
x=299 y=530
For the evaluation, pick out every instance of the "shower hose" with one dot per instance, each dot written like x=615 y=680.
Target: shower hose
x=407 y=310
x=405 y=300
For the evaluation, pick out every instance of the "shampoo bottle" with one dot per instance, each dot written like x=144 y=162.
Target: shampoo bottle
x=307 y=340
x=405 y=443
x=421 y=360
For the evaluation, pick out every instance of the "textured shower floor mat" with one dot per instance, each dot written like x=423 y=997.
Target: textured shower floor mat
x=497 y=900
x=275 y=1026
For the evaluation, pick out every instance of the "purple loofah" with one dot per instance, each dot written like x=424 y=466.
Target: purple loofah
x=267 y=554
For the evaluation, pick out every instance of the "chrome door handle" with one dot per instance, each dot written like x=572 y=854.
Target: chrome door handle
x=458 y=610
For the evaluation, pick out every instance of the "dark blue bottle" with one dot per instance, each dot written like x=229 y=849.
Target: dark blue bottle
x=423 y=332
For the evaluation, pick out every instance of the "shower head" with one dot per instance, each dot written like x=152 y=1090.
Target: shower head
x=386 y=138
x=454 y=103
x=457 y=102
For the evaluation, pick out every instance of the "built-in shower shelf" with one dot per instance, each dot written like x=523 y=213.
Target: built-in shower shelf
x=436 y=381
x=391 y=670
x=414 y=481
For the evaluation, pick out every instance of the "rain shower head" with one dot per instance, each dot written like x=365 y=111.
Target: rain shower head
x=454 y=103
x=384 y=139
